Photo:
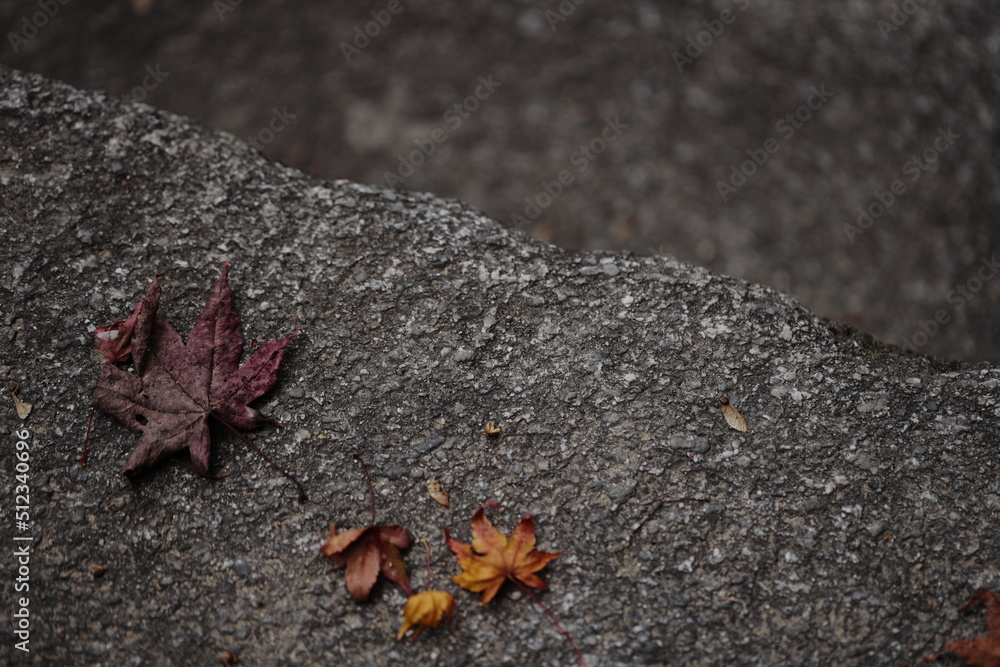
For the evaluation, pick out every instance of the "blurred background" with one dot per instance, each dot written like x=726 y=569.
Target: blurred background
x=747 y=136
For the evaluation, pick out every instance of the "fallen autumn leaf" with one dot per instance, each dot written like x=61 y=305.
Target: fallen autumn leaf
x=426 y=610
x=367 y=551
x=982 y=651
x=492 y=558
x=437 y=492
x=732 y=415
x=180 y=385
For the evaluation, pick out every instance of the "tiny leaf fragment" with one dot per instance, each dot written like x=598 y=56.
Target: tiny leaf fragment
x=732 y=415
x=437 y=492
x=114 y=341
x=20 y=407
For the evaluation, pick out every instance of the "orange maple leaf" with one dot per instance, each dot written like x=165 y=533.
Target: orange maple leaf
x=493 y=558
x=982 y=651
x=426 y=610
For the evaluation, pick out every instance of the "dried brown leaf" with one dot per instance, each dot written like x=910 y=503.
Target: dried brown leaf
x=437 y=492
x=732 y=415
x=20 y=407
x=365 y=552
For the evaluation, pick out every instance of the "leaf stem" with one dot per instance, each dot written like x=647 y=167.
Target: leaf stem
x=371 y=489
x=427 y=548
x=86 y=440
x=552 y=617
x=246 y=440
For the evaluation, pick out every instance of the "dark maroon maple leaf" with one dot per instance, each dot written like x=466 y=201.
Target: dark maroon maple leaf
x=178 y=386
x=114 y=340
x=982 y=651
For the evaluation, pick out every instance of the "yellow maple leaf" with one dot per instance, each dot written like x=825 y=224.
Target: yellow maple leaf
x=493 y=558
x=426 y=610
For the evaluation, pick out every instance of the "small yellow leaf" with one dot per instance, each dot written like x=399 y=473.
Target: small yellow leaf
x=732 y=415
x=426 y=610
x=437 y=492
x=491 y=428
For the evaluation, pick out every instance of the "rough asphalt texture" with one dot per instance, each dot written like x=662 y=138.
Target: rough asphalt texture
x=232 y=64
x=845 y=527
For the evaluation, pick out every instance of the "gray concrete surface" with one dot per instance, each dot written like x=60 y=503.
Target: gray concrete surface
x=654 y=190
x=845 y=527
